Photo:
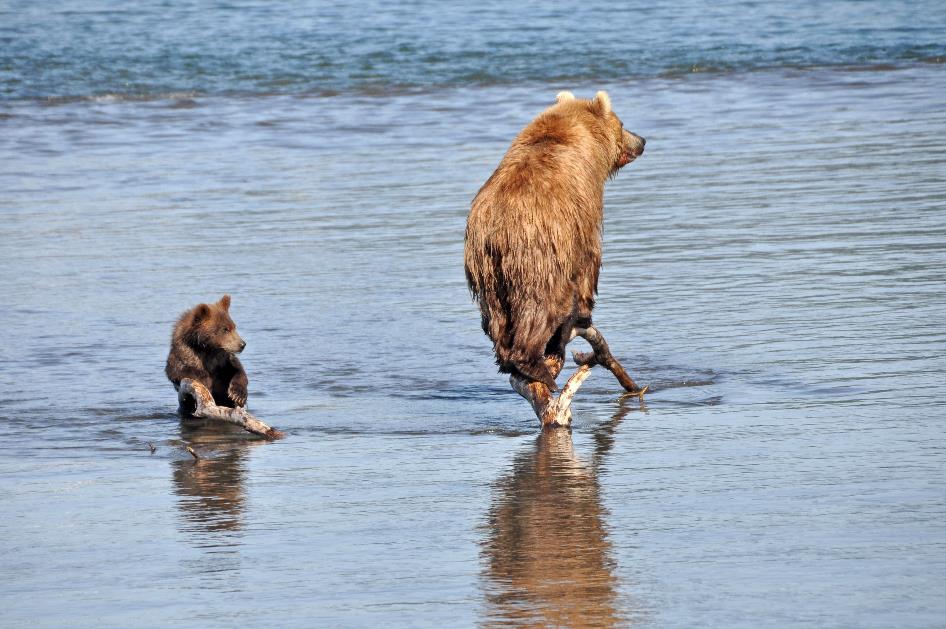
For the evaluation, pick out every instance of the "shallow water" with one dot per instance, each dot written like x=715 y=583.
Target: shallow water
x=773 y=269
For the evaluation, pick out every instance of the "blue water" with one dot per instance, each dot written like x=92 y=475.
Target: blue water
x=142 y=49
x=773 y=269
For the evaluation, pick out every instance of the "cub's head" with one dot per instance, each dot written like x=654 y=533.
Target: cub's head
x=210 y=326
x=620 y=145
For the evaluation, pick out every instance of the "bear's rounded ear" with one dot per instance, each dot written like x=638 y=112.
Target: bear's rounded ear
x=201 y=312
x=602 y=103
x=564 y=97
x=224 y=302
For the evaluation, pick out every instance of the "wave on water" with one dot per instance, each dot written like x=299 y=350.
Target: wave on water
x=192 y=98
x=181 y=100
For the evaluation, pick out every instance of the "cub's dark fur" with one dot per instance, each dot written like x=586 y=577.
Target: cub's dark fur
x=204 y=346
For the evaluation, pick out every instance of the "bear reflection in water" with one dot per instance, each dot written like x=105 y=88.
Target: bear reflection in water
x=548 y=558
x=211 y=490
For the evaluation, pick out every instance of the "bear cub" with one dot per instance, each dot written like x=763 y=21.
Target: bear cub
x=204 y=346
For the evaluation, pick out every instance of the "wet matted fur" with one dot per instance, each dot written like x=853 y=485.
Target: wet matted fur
x=533 y=236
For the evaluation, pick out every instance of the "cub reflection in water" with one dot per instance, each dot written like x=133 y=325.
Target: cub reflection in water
x=211 y=489
x=548 y=558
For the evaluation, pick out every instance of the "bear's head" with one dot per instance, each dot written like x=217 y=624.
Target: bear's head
x=621 y=146
x=211 y=327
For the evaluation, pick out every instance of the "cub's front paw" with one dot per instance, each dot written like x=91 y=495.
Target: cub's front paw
x=237 y=393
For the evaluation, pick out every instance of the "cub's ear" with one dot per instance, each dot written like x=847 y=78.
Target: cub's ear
x=564 y=97
x=201 y=312
x=224 y=302
x=602 y=103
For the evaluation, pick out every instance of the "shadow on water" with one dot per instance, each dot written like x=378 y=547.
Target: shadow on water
x=548 y=558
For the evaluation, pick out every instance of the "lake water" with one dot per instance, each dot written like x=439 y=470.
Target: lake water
x=774 y=268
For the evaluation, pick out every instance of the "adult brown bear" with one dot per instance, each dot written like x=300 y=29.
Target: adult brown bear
x=533 y=237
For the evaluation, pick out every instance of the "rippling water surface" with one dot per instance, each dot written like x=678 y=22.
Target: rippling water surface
x=79 y=47
x=774 y=269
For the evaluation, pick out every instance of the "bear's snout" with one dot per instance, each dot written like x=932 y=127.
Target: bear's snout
x=242 y=345
x=632 y=149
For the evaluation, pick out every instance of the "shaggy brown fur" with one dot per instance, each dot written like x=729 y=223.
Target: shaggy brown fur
x=533 y=237
x=204 y=346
